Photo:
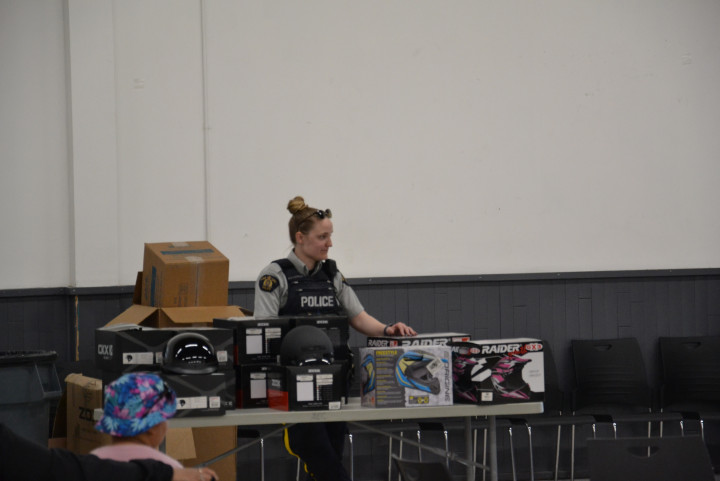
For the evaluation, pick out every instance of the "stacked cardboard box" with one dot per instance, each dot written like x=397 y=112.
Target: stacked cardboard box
x=184 y=274
x=183 y=287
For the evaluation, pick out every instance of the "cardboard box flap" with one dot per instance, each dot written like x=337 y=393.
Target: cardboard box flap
x=119 y=327
x=135 y=314
x=173 y=316
x=170 y=316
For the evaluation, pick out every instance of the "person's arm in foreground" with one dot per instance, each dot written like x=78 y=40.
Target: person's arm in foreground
x=21 y=460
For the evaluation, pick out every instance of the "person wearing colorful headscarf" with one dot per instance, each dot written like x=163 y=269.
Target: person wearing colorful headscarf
x=22 y=459
x=137 y=407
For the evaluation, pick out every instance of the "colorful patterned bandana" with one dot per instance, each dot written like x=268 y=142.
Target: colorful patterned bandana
x=134 y=403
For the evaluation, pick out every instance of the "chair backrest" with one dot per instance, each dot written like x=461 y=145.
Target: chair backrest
x=411 y=470
x=610 y=373
x=690 y=373
x=554 y=401
x=670 y=458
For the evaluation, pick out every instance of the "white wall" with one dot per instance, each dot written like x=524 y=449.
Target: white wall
x=34 y=192
x=481 y=137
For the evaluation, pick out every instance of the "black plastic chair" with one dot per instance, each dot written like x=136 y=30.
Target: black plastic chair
x=554 y=415
x=420 y=428
x=672 y=458
x=422 y=470
x=691 y=378
x=427 y=427
x=300 y=465
x=243 y=433
x=611 y=385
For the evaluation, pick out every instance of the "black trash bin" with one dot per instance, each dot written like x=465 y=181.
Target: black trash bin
x=28 y=385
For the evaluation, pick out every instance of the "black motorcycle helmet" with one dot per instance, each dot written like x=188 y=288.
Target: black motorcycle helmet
x=306 y=345
x=189 y=353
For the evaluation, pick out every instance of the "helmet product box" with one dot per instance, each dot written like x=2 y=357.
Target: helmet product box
x=197 y=394
x=122 y=348
x=256 y=340
x=335 y=326
x=425 y=339
x=129 y=348
x=498 y=371
x=405 y=376
x=203 y=395
x=251 y=384
x=308 y=387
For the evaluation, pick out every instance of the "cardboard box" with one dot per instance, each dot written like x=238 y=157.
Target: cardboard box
x=306 y=388
x=184 y=274
x=174 y=316
x=122 y=348
x=426 y=339
x=149 y=316
x=251 y=384
x=256 y=340
x=498 y=371
x=211 y=443
x=406 y=376
x=84 y=395
x=336 y=327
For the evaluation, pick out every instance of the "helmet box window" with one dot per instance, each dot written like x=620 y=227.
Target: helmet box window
x=190 y=353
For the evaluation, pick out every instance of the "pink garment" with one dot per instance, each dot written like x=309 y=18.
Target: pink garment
x=130 y=451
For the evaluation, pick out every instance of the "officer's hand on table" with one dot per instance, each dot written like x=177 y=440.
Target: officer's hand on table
x=400 y=329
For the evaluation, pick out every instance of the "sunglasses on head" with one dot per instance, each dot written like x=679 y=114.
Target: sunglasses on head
x=320 y=213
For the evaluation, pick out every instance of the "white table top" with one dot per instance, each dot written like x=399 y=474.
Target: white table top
x=353 y=411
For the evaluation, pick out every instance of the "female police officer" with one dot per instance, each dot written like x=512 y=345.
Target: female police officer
x=307 y=282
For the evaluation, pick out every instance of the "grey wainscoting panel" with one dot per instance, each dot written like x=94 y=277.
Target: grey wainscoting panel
x=556 y=308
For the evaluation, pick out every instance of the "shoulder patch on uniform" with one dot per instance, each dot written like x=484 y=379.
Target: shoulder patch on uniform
x=268 y=283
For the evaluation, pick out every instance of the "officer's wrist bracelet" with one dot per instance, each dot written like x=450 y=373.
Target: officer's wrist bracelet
x=387 y=326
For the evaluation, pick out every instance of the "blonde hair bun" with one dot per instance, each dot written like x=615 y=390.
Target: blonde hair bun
x=296 y=205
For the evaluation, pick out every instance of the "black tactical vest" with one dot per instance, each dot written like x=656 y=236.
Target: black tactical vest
x=310 y=295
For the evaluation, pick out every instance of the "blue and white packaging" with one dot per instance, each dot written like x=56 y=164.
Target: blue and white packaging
x=406 y=376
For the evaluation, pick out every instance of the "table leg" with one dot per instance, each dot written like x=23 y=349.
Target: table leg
x=469 y=448
x=492 y=441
